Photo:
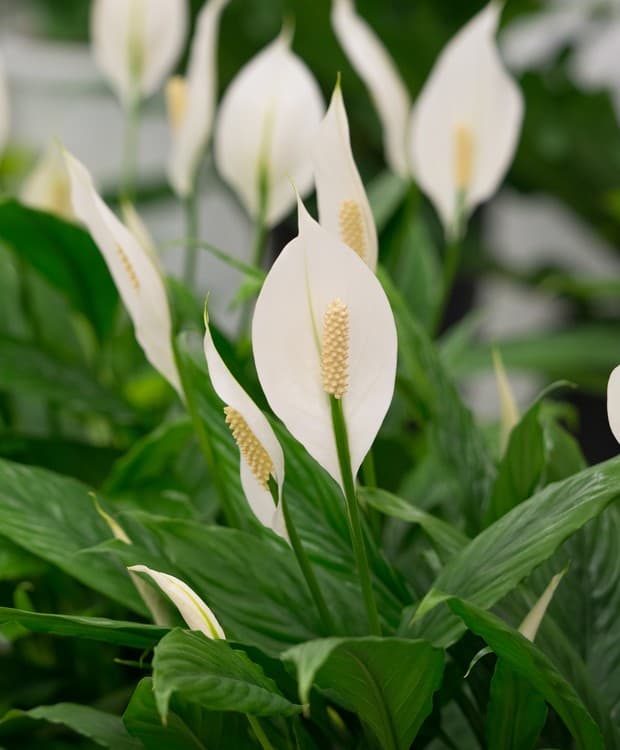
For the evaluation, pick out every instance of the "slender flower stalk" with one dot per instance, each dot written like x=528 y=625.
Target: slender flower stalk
x=324 y=344
x=261 y=465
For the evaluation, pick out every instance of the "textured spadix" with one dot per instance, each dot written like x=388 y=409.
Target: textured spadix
x=313 y=271
x=135 y=274
x=261 y=453
x=466 y=122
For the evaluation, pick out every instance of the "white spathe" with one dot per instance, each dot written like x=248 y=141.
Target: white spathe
x=136 y=43
x=194 y=611
x=344 y=209
x=377 y=69
x=136 y=276
x=233 y=395
x=470 y=94
x=312 y=271
x=267 y=121
x=191 y=128
x=613 y=402
x=47 y=187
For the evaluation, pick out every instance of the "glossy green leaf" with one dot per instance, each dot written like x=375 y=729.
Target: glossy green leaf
x=54 y=518
x=527 y=661
x=188 y=726
x=388 y=682
x=66 y=256
x=102 y=728
x=29 y=370
x=447 y=538
x=506 y=552
x=516 y=712
x=521 y=467
x=214 y=675
x=135 y=634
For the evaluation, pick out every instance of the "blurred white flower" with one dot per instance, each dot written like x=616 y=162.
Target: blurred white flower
x=47 y=186
x=136 y=43
x=589 y=28
x=4 y=108
x=343 y=205
x=373 y=64
x=261 y=453
x=194 y=611
x=265 y=129
x=323 y=328
x=466 y=122
x=613 y=402
x=191 y=101
x=136 y=276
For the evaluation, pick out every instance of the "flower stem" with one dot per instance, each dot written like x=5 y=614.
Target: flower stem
x=450 y=265
x=259 y=733
x=205 y=441
x=304 y=562
x=130 y=149
x=355 y=526
x=192 y=230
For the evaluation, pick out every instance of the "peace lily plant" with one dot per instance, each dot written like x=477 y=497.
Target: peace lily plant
x=284 y=547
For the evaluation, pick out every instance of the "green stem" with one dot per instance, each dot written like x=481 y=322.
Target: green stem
x=451 y=258
x=191 y=247
x=259 y=732
x=205 y=441
x=304 y=562
x=355 y=526
x=130 y=149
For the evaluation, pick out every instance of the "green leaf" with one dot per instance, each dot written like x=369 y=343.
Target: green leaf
x=188 y=726
x=102 y=728
x=532 y=665
x=54 y=518
x=133 y=634
x=214 y=675
x=388 y=682
x=447 y=538
x=457 y=439
x=506 y=552
x=521 y=467
x=516 y=713
x=66 y=256
x=30 y=370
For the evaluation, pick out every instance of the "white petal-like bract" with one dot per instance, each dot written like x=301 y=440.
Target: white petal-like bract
x=47 y=186
x=261 y=436
x=136 y=276
x=613 y=402
x=343 y=205
x=194 y=611
x=136 y=43
x=313 y=271
x=267 y=121
x=466 y=122
x=373 y=64
x=191 y=127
